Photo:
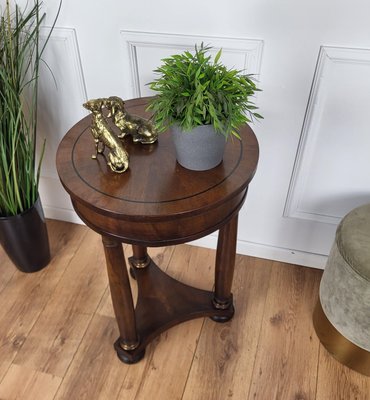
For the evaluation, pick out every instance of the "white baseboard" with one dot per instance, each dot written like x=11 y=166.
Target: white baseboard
x=269 y=252
x=62 y=214
x=243 y=247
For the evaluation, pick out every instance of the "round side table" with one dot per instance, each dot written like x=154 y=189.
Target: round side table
x=157 y=203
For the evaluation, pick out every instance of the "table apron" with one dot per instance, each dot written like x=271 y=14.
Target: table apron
x=183 y=229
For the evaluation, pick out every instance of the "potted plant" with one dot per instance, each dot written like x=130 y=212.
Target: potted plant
x=23 y=233
x=203 y=102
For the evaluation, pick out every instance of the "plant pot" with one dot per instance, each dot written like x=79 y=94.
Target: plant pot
x=24 y=238
x=199 y=149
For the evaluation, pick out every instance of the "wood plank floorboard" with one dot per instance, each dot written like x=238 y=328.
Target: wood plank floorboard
x=26 y=295
x=27 y=384
x=338 y=382
x=55 y=337
x=96 y=372
x=288 y=349
x=57 y=329
x=7 y=270
x=224 y=359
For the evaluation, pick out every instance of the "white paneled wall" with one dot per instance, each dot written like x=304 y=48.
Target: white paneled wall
x=62 y=90
x=143 y=50
x=312 y=59
x=331 y=175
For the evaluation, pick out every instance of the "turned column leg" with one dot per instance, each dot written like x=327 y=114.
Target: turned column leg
x=224 y=271
x=121 y=294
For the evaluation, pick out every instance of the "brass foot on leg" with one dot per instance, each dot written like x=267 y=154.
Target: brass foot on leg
x=129 y=346
x=128 y=356
x=140 y=263
x=223 y=305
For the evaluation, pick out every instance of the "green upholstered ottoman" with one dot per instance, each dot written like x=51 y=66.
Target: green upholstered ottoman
x=342 y=315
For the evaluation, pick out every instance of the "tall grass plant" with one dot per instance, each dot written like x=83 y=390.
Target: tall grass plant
x=20 y=58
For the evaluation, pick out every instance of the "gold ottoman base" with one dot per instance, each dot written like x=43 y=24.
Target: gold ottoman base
x=338 y=346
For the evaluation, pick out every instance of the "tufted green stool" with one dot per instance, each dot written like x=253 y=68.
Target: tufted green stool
x=342 y=314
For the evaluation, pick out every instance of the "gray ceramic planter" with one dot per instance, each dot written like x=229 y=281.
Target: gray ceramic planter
x=199 y=149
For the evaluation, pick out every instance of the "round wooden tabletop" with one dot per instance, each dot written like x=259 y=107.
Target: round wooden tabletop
x=155 y=187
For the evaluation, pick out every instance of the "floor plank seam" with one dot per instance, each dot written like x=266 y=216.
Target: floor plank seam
x=148 y=357
x=87 y=326
x=74 y=355
x=123 y=383
x=317 y=369
x=36 y=319
x=102 y=299
x=192 y=361
x=47 y=302
x=9 y=280
x=169 y=260
x=7 y=370
x=259 y=333
x=154 y=344
x=143 y=375
x=10 y=364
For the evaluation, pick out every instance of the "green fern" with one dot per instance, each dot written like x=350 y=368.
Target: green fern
x=193 y=90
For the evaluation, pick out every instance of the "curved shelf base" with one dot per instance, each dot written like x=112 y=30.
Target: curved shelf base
x=164 y=302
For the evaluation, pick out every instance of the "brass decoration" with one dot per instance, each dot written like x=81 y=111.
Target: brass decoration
x=221 y=306
x=129 y=347
x=141 y=130
x=104 y=136
x=140 y=263
x=338 y=346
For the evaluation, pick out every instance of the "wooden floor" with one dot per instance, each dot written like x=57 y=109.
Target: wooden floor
x=57 y=329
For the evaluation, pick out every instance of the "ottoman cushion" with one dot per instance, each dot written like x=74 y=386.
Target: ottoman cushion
x=353 y=240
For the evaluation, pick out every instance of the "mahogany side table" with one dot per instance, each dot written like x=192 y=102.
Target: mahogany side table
x=157 y=203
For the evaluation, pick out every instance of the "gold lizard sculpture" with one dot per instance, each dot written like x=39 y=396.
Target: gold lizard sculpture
x=118 y=158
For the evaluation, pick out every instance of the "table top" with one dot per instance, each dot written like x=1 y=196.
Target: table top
x=155 y=185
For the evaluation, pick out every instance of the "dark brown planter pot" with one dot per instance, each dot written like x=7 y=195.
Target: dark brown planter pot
x=24 y=238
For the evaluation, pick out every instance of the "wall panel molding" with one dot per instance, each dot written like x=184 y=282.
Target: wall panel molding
x=139 y=47
x=326 y=145
x=62 y=91
x=63 y=42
